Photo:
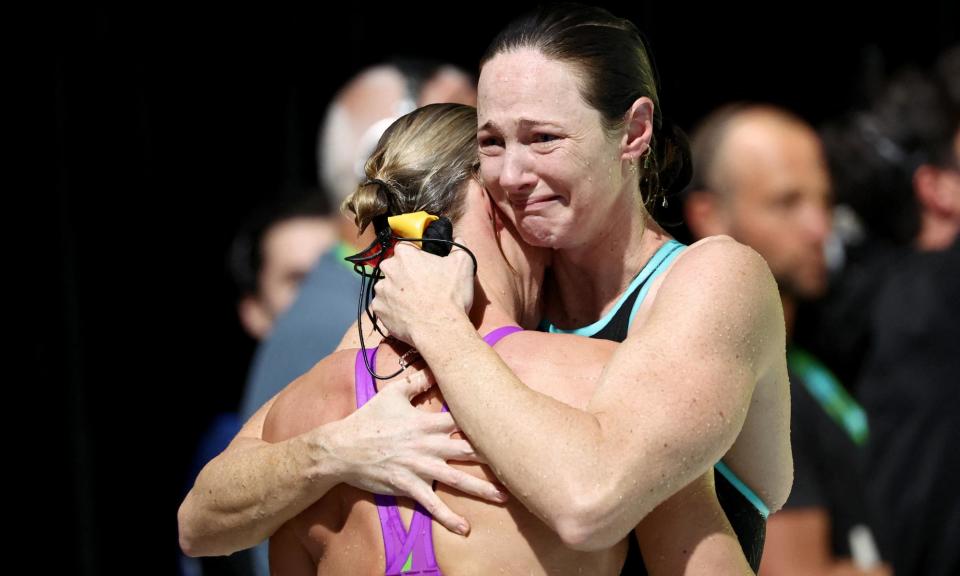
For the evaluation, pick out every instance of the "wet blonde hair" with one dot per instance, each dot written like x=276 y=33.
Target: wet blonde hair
x=422 y=162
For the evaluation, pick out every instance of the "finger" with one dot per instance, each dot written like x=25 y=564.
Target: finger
x=467 y=483
x=456 y=449
x=413 y=384
x=403 y=247
x=387 y=265
x=422 y=492
x=438 y=422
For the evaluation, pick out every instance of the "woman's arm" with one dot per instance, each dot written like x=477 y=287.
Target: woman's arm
x=670 y=403
x=243 y=495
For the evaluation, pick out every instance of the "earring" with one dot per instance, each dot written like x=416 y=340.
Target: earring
x=664 y=203
x=646 y=160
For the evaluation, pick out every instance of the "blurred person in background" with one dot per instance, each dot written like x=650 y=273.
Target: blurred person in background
x=271 y=255
x=760 y=176
x=897 y=166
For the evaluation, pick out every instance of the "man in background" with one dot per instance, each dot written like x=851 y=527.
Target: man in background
x=760 y=177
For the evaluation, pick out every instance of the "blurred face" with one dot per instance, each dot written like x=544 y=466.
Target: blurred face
x=544 y=155
x=290 y=249
x=779 y=200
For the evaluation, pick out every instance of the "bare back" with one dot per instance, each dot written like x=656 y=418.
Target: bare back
x=341 y=532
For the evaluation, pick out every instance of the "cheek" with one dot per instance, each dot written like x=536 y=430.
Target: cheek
x=490 y=172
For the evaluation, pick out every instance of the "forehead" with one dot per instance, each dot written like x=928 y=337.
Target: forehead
x=526 y=85
x=771 y=156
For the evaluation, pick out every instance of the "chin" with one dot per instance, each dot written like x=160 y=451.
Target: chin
x=544 y=233
x=535 y=234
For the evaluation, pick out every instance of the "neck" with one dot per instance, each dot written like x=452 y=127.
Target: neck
x=585 y=282
x=495 y=301
x=487 y=315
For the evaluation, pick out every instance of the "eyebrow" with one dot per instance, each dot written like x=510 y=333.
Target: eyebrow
x=525 y=124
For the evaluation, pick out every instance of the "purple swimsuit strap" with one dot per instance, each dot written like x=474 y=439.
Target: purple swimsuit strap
x=499 y=334
x=399 y=545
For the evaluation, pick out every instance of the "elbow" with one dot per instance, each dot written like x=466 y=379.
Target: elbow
x=191 y=543
x=779 y=496
x=587 y=525
x=188 y=547
x=188 y=544
x=579 y=536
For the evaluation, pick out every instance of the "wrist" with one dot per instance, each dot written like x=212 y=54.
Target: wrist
x=434 y=327
x=321 y=467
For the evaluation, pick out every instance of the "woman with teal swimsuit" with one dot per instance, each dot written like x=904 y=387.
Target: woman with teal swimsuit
x=573 y=145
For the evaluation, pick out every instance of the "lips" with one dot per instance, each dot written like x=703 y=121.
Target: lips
x=532 y=202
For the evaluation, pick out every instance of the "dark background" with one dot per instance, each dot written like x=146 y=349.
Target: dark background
x=173 y=124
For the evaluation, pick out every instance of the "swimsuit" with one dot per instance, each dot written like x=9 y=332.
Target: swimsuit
x=745 y=510
x=407 y=551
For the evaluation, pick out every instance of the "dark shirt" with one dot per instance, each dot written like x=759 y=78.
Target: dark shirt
x=910 y=388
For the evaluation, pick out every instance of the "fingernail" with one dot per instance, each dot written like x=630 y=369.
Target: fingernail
x=462 y=529
x=502 y=496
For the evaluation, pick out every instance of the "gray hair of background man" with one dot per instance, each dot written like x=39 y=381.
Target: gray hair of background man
x=368 y=104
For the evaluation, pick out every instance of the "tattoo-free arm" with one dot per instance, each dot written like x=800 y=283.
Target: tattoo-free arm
x=669 y=405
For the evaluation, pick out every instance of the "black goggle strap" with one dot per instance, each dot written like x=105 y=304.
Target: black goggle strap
x=368 y=280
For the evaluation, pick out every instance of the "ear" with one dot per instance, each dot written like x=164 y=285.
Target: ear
x=638 y=124
x=703 y=213
x=254 y=317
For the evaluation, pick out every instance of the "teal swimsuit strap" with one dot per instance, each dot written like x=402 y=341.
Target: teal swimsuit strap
x=653 y=268
x=674 y=249
x=742 y=487
x=829 y=393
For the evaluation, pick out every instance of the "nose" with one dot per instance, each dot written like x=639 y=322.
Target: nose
x=816 y=222
x=516 y=174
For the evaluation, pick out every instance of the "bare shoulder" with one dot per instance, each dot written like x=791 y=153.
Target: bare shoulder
x=720 y=292
x=723 y=263
x=323 y=394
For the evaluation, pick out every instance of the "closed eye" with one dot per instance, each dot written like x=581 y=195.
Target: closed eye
x=544 y=138
x=488 y=142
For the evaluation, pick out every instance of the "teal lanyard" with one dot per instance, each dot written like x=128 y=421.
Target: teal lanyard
x=829 y=393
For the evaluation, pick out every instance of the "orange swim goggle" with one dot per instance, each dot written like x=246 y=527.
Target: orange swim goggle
x=433 y=234
x=410 y=227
